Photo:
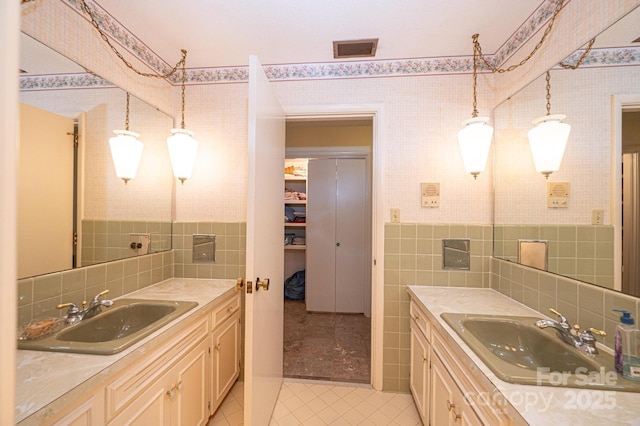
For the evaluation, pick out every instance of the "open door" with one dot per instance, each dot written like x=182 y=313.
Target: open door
x=265 y=249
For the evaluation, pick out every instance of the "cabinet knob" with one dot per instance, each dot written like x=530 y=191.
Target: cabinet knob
x=337 y=244
x=171 y=392
x=450 y=406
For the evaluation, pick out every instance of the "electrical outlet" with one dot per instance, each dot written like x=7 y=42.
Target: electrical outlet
x=597 y=217
x=395 y=215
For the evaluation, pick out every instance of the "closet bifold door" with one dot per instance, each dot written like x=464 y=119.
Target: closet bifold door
x=350 y=235
x=320 y=293
x=336 y=227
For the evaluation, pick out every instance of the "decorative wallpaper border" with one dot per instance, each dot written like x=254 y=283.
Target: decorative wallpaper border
x=606 y=57
x=330 y=70
x=63 y=81
x=359 y=69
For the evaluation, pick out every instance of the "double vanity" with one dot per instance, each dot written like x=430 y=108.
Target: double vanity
x=167 y=354
x=478 y=358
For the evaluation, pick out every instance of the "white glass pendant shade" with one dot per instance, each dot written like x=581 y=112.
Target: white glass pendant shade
x=475 y=141
x=182 y=150
x=548 y=141
x=126 y=151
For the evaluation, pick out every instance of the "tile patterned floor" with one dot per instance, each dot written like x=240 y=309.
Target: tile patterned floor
x=326 y=346
x=309 y=403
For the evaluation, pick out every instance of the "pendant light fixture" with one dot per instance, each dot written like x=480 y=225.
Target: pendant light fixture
x=548 y=139
x=475 y=137
x=182 y=146
x=126 y=150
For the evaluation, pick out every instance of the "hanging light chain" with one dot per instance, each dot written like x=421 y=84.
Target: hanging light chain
x=184 y=57
x=530 y=55
x=548 y=78
x=581 y=59
x=474 y=114
x=104 y=37
x=126 y=121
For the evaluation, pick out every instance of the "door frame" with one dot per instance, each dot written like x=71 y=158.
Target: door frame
x=618 y=104
x=375 y=112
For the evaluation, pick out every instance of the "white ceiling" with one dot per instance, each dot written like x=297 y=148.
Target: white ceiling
x=225 y=32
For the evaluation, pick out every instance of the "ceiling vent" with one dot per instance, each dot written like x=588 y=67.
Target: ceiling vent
x=355 y=48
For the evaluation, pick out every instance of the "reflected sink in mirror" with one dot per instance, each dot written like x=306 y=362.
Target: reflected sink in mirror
x=517 y=351
x=115 y=329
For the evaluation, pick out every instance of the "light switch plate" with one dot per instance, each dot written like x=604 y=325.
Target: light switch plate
x=395 y=215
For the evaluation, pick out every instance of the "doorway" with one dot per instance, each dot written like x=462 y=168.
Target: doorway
x=328 y=344
x=630 y=201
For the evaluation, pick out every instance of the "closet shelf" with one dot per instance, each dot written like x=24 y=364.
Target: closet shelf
x=296 y=202
x=295 y=247
x=295 y=225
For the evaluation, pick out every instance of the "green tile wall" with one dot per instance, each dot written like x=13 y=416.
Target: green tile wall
x=230 y=249
x=105 y=240
x=38 y=296
x=583 y=252
x=413 y=256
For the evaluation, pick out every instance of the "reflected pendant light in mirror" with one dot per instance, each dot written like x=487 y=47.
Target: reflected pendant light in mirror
x=126 y=150
x=548 y=139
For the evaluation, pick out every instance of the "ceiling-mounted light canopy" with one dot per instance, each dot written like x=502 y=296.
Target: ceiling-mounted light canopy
x=475 y=137
x=548 y=139
x=126 y=150
x=182 y=146
x=475 y=140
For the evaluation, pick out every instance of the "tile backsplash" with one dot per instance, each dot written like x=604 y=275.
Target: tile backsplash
x=38 y=296
x=585 y=304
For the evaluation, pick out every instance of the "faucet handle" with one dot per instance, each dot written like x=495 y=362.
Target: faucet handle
x=72 y=307
x=596 y=331
x=99 y=295
x=563 y=319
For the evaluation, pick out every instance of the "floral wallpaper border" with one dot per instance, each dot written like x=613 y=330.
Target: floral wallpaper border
x=322 y=71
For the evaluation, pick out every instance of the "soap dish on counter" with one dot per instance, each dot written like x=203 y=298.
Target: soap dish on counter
x=40 y=328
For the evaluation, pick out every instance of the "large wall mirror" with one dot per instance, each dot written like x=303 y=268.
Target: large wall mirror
x=574 y=220
x=69 y=192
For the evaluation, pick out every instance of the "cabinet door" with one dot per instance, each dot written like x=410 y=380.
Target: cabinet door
x=226 y=359
x=419 y=376
x=152 y=407
x=190 y=383
x=448 y=404
x=87 y=413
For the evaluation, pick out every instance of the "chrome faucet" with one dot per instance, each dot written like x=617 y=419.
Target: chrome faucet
x=75 y=315
x=584 y=341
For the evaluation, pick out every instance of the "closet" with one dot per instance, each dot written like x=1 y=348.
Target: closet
x=336 y=235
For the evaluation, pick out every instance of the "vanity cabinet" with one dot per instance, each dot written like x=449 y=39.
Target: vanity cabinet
x=181 y=383
x=444 y=391
x=225 y=350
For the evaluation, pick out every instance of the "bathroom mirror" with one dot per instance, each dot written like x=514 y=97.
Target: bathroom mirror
x=65 y=190
x=577 y=209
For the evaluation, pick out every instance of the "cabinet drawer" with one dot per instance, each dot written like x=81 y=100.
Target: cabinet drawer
x=420 y=319
x=225 y=310
x=133 y=383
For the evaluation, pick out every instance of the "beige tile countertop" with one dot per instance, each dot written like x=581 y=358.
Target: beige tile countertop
x=536 y=405
x=48 y=381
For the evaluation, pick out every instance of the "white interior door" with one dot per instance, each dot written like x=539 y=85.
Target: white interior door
x=264 y=309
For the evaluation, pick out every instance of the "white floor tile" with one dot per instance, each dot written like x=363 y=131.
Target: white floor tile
x=311 y=403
